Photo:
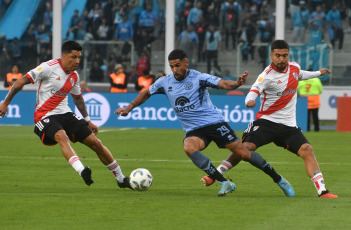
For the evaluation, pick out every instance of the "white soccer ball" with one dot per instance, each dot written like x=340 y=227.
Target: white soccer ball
x=140 y=179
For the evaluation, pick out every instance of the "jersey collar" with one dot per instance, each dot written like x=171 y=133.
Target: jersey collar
x=59 y=61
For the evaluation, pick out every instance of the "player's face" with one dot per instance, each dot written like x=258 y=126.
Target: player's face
x=179 y=68
x=70 y=61
x=280 y=58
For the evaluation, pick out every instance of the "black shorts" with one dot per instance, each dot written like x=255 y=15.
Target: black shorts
x=75 y=127
x=220 y=133
x=262 y=132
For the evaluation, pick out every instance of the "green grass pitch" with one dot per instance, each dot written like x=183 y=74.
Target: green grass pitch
x=40 y=190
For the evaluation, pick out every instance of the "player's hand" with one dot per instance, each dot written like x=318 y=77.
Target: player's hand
x=93 y=127
x=3 y=109
x=251 y=104
x=242 y=78
x=324 y=71
x=122 y=111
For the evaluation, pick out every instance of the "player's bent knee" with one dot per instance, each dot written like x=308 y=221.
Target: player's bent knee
x=61 y=136
x=306 y=150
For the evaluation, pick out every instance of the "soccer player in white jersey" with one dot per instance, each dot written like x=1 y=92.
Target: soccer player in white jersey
x=54 y=120
x=186 y=90
x=276 y=120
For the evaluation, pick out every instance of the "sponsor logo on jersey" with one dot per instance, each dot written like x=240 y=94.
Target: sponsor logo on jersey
x=188 y=85
x=40 y=68
x=260 y=79
x=170 y=89
x=286 y=92
x=181 y=105
x=59 y=93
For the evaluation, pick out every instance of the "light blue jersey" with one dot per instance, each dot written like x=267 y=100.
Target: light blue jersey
x=190 y=99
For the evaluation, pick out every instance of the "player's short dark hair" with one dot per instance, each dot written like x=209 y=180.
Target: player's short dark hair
x=279 y=44
x=70 y=45
x=177 y=54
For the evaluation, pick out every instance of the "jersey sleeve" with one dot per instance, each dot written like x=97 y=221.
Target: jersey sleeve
x=38 y=73
x=207 y=80
x=259 y=85
x=158 y=87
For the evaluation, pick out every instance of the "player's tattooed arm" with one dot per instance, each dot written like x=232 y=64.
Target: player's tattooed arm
x=79 y=102
x=140 y=99
x=231 y=85
x=16 y=87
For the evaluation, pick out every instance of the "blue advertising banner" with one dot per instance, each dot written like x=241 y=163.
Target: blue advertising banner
x=154 y=113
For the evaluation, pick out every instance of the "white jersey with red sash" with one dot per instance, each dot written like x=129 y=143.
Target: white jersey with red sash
x=54 y=86
x=278 y=94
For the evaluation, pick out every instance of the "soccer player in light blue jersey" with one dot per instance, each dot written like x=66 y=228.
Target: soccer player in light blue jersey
x=186 y=90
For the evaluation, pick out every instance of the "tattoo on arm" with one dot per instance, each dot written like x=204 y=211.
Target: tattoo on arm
x=16 y=87
x=79 y=102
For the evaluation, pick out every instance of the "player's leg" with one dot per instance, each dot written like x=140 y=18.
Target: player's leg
x=107 y=159
x=50 y=131
x=192 y=146
x=299 y=145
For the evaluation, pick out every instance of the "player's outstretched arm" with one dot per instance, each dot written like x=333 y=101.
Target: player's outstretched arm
x=79 y=102
x=16 y=87
x=230 y=85
x=140 y=99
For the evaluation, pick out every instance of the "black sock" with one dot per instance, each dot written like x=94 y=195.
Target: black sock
x=259 y=162
x=214 y=174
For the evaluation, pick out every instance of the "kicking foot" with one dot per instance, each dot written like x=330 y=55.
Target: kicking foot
x=125 y=183
x=227 y=187
x=286 y=187
x=86 y=175
x=207 y=181
x=326 y=194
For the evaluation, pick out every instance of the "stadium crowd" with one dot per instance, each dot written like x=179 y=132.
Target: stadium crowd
x=200 y=26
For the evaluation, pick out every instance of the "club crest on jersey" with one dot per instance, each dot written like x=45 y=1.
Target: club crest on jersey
x=295 y=76
x=188 y=85
x=255 y=128
x=46 y=120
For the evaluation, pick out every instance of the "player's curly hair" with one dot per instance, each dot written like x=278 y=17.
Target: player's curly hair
x=70 y=45
x=279 y=44
x=177 y=54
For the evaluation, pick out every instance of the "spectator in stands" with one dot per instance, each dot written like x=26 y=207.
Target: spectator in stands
x=247 y=35
x=12 y=76
x=47 y=18
x=201 y=28
x=266 y=34
x=300 y=22
x=41 y=35
x=84 y=87
x=95 y=12
x=75 y=19
x=118 y=80
x=317 y=17
x=96 y=73
x=316 y=35
x=111 y=62
x=143 y=62
x=148 y=20
x=5 y=56
x=144 y=81
x=44 y=55
x=125 y=32
x=212 y=46
x=211 y=17
x=160 y=74
x=194 y=13
x=336 y=31
x=230 y=25
x=77 y=32
x=16 y=51
x=143 y=42
x=103 y=30
x=189 y=41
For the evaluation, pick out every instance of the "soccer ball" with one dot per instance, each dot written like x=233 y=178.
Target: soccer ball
x=140 y=179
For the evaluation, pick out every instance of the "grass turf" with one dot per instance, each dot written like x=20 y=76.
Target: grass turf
x=40 y=190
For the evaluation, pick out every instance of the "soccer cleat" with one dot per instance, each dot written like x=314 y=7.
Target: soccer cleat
x=86 y=175
x=286 y=187
x=227 y=186
x=326 y=194
x=125 y=183
x=207 y=181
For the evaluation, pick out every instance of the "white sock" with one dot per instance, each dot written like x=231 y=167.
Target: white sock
x=318 y=182
x=116 y=170
x=76 y=164
x=224 y=167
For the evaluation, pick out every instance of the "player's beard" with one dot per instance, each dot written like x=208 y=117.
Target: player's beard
x=281 y=67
